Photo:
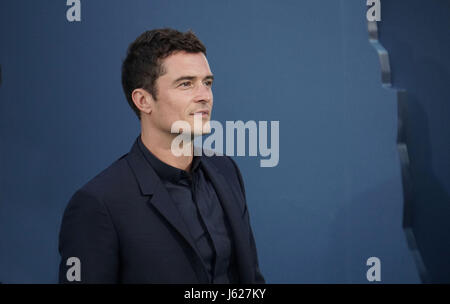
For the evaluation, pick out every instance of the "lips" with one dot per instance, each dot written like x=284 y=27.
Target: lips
x=201 y=112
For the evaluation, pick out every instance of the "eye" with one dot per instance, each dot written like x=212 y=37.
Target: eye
x=185 y=84
x=208 y=83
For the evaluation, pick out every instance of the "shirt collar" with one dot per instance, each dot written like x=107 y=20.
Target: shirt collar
x=165 y=171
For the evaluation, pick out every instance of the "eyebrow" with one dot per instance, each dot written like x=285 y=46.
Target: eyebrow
x=209 y=77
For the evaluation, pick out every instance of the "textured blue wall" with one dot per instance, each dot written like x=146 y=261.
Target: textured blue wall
x=334 y=200
x=416 y=34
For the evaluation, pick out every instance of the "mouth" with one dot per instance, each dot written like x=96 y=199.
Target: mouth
x=203 y=113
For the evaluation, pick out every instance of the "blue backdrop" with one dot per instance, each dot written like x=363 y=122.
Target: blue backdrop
x=418 y=39
x=334 y=200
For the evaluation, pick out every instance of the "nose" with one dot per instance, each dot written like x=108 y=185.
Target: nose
x=203 y=94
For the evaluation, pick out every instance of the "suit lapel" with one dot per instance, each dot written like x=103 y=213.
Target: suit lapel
x=240 y=233
x=151 y=185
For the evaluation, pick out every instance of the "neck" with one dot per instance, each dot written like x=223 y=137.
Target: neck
x=159 y=143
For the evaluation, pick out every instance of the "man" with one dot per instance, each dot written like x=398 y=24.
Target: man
x=152 y=216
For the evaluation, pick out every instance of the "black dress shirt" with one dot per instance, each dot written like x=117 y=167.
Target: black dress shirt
x=197 y=201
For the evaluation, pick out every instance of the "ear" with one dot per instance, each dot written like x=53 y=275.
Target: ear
x=143 y=100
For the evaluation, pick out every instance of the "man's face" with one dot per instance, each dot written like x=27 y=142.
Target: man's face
x=183 y=90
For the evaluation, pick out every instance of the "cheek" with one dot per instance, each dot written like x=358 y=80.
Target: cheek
x=177 y=107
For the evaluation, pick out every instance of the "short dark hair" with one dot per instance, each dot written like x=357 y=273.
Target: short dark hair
x=142 y=65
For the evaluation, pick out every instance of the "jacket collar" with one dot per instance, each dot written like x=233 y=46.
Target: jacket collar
x=151 y=185
x=165 y=171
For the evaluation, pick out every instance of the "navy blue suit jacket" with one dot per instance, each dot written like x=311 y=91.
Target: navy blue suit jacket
x=124 y=228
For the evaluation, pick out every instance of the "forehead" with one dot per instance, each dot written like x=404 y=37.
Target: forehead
x=183 y=63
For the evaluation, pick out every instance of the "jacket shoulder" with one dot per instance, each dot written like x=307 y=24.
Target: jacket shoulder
x=110 y=181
